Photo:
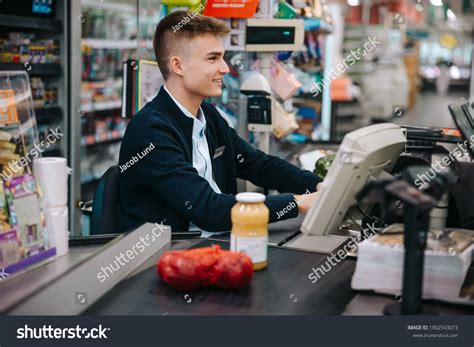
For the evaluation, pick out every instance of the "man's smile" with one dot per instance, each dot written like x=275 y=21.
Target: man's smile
x=218 y=81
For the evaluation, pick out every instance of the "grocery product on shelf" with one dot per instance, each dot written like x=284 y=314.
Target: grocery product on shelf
x=102 y=63
x=103 y=130
x=99 y=96
x=26 y=48
x=8 y=112
x=44 y=94
x=27 y=241
x=11 y=152
x=4 y=216
x=47 y=129
x=10 y=248
x=116 y=24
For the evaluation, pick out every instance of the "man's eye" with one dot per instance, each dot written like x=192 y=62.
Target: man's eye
x=213 y=58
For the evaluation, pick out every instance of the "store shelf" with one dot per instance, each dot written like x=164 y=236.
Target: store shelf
x=109 y=6
x=48 y=113
x=33 y=69
x=316 y=24
x=102 y=106
x=146 y=44
x=117 y=75
x=19 y=22
x=91 y=140
x=110 y=44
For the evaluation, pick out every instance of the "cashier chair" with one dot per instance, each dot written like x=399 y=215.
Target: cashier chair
x=106 y=204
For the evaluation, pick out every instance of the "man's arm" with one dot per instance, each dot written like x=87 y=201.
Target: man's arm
x=269 y=171
x=171 y=177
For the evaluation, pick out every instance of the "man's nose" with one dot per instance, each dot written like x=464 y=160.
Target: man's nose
x=224 y=68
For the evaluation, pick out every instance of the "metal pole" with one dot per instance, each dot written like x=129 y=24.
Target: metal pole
x=74 y=126
x=265 y=65
x=416 y=230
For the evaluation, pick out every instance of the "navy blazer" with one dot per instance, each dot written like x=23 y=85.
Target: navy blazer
x=158 y=182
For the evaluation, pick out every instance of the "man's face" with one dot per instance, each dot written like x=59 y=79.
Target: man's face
x=203 y=65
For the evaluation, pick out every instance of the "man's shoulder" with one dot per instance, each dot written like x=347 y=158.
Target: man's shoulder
x=148 y=123
x=151 y=115
x=213 y=115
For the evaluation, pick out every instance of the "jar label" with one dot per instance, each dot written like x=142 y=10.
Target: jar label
x=254 y=247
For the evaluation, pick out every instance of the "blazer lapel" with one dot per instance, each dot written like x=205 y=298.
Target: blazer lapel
x=211 y=142
x=185 y=123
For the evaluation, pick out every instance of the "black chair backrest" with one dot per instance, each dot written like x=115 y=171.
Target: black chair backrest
x=106 y=204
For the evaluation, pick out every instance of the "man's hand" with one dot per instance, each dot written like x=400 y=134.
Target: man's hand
x=305 y=201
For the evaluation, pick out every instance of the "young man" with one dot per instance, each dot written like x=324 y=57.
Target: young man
x=179 y=160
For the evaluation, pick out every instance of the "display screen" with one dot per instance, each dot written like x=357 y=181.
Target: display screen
x=29 y=8
x=42 y=6
x=270 y=35
x=469 y=115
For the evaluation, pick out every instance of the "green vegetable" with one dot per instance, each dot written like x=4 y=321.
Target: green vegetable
x=322 y=165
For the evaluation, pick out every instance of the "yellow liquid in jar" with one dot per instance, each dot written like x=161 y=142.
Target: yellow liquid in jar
x=249 y=232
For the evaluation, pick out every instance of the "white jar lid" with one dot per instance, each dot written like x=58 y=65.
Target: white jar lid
x=250 y=197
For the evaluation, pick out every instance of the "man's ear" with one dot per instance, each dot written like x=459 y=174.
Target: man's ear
x=176 y=64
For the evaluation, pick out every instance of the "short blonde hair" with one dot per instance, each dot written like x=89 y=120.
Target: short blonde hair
x=181 y=25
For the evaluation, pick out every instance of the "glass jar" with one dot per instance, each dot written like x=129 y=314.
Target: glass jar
x=249 y=232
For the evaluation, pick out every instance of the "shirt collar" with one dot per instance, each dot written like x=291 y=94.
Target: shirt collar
x=200 y=119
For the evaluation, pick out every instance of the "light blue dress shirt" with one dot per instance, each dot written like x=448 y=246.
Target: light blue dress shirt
x=201 y=157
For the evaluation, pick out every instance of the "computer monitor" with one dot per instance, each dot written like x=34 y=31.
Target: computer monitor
x=462 y=112
x=272 y=35
x=363 y=154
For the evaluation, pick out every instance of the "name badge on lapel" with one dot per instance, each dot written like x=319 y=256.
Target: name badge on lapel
x=219 y=151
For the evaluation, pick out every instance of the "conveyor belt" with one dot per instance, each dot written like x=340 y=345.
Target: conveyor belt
x=282 y=288
x=278 y=232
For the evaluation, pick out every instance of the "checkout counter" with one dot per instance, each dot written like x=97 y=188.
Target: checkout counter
x=282 y=288
x=70 y=284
